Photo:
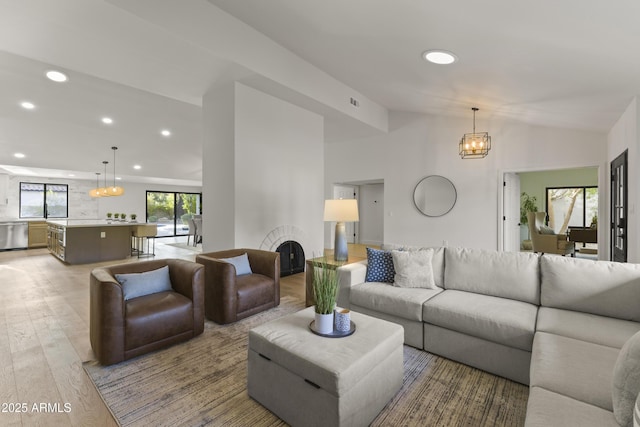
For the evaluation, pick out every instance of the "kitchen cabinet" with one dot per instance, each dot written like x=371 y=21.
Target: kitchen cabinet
x=37 y=234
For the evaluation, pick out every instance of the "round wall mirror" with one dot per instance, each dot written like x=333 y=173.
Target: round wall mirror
x=434 y=195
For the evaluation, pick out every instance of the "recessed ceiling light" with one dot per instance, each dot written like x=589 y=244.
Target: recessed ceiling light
x=56 y=76
x=27 y=105
x=19 y=155
x=72 y=174
x=118 y=178
x=107 y=120
x=165 y=132
x=137 y=167
x=440 y=57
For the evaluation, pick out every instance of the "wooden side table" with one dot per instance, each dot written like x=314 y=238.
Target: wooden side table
x=322 y=262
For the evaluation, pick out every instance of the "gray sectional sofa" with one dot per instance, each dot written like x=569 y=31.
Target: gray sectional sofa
x=554 y=323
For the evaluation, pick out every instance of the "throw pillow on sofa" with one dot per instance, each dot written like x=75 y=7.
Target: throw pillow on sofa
x=545 y=229
x=626 y=381
x=413 y=269
x=140 y=284
x=379 y=266
x=241 y=263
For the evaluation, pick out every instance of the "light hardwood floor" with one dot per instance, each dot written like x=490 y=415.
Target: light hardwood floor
x=44 y=338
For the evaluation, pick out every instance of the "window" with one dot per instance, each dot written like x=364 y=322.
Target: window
x=43 y=200
x=572 y=206
x=171 y=210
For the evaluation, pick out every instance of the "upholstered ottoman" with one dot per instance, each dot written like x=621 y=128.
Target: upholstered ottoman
x=309 y=380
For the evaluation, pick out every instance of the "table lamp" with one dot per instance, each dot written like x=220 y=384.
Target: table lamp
x=341 y=211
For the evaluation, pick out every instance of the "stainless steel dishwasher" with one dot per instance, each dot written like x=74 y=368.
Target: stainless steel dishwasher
x=14 y=235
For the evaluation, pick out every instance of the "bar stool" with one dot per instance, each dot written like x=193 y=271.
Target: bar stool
x=140 y=234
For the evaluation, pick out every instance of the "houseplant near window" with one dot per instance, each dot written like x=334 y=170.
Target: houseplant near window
x=325 y=292
x=133 y=217
x=527 y=204
x=123 y=217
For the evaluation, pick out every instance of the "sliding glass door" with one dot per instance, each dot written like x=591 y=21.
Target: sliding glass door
x=170 y=211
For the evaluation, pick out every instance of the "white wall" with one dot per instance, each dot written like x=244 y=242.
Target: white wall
x=82 y=206
x=420 y=145
x=371 y=208
x=218 y=168
x=625 y=136
x=272 y=163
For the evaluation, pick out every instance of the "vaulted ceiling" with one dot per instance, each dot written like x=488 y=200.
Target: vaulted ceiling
x=561 y=64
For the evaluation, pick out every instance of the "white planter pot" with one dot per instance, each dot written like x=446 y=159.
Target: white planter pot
x=324 y=323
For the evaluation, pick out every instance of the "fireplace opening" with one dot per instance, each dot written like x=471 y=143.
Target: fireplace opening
x=291 y=258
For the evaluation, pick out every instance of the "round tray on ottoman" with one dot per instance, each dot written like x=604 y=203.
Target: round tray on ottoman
x=335 y=333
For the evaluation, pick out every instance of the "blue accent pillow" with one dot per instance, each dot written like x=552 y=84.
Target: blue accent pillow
x=136 y=285
x=379 y=266
x=241 y=263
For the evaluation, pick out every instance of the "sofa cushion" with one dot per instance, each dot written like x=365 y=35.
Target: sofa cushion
x=254 y=290
x=586 y=327
x=546 y=408
x=402 y=302
x=626 y=381
x=413 y=269
x=500 y=320
x=437 y=261
x=154 y=317
x=598 y=287
x=502 y=274
x=135 y=285
x=379 y=266
x=575 y=368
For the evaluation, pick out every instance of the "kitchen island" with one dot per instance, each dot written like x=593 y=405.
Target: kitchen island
x=83 y=241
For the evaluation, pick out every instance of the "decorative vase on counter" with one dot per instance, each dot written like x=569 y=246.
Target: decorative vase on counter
x=324 y=323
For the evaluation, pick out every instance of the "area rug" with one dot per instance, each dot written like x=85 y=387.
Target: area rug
x=203 y=382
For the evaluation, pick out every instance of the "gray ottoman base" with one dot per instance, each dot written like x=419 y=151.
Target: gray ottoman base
x=302 y=403
x=308 y=380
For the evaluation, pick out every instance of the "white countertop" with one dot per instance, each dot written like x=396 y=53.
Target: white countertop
x=91 y=223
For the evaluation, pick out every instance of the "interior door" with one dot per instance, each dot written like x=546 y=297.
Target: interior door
x=511 y=212
x=347 y=192
x=619 y=208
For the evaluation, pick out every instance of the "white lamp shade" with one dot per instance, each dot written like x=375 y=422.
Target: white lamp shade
x=341 y=210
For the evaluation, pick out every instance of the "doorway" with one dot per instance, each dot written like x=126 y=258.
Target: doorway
x=532 y=186
x=619 y=198
x=370 y=195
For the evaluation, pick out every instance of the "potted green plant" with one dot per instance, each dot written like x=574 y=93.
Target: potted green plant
x=123 y=217
x=116 y=216
x=527 y=204
x=133 y=217
x=325 y=292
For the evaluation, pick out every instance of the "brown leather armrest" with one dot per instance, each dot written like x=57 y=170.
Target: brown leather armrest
x=187 y=278
x=221 y=298
x=264 y=262
x=106 y=323
x=267 y=264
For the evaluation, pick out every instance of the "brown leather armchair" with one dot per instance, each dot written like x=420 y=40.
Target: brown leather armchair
x=122 y=329
x=548 y=243
x=229 y=298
